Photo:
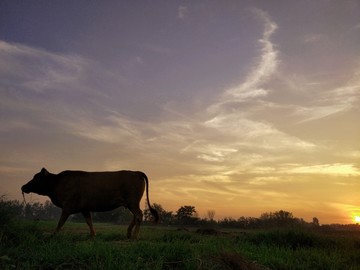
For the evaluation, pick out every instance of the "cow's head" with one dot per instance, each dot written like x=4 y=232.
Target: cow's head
x=40 y=184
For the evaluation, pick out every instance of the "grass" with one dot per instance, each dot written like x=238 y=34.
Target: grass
x=30 y=245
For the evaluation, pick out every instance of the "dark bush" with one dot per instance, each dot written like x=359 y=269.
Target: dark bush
x=9 y=210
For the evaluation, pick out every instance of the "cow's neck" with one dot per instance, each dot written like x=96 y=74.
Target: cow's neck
x=52 y=190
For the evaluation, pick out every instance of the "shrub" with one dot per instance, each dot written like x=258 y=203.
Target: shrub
x=8 y=211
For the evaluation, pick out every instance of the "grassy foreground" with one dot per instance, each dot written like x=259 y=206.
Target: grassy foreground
x=30 y=245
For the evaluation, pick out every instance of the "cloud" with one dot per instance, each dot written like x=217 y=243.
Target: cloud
x=113 y=130
x=315 y=113
x=155 y=48
x=221 y=137
x=266 y=66
x=182 y=12
x=328 y=102
x=210 y=137
x=329 y=169
x=312 y=38
x=357 y=26
x=266 y=180
x=52 y=88
x=37 y=70
x=253 y=87
x=226 y=130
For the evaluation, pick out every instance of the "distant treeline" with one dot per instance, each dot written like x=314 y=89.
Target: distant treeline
x=184 y=216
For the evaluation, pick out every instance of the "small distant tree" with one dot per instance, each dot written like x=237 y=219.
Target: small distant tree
x=283 y=215
x=228 y=222
x=211 y=214
x=186 y=215
x=247 y=222
x=279 y=218
x=315 y=222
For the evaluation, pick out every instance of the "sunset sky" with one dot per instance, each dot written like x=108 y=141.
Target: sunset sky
x=242 y=107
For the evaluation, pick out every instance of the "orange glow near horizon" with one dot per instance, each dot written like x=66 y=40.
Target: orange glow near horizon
x=356 y=218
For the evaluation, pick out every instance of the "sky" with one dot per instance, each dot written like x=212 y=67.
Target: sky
x=241 y=107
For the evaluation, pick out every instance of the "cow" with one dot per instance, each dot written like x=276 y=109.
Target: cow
x=86 y=192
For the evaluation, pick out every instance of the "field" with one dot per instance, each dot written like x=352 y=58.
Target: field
x=30 y=245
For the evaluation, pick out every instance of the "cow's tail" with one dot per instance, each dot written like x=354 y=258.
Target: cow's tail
x=152 y=210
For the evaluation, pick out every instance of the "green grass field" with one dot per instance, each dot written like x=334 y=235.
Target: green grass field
x=31 y=245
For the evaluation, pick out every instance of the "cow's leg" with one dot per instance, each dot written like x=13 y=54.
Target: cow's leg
x=87 y=216
x=138 y=216
x=64 y=216
x=131 y=226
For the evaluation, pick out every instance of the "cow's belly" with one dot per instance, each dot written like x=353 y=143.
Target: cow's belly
x=102 y=203
x=105 y=206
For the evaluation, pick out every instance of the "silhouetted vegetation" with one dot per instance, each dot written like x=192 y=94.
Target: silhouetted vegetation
x=184 y=216
x=26 y=242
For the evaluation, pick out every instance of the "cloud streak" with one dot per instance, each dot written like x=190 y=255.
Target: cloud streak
x=230 y=117
x=266 y=66
x=333 y=101
x=47 y=71
x=182 y=12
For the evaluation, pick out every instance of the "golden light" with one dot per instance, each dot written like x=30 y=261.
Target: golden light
x=357 y=219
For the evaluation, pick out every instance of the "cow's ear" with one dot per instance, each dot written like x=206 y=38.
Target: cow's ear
x=44 y=171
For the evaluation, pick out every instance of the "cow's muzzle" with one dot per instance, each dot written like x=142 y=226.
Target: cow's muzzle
x=25 y=189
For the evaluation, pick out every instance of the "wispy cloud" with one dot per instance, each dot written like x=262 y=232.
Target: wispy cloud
x=230 y=117
x=331 y=101
x=251 y=87
x=50 y=87
x=312 y=38
x=211 y=137
x=49 y=71
x=329 y=169
x=182 y=12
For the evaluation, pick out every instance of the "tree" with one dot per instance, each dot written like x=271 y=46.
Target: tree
x=211 y=214
x=283 y=215
x=316 y=222
x=279 y=218
x=165 y=216
x=186 y=215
